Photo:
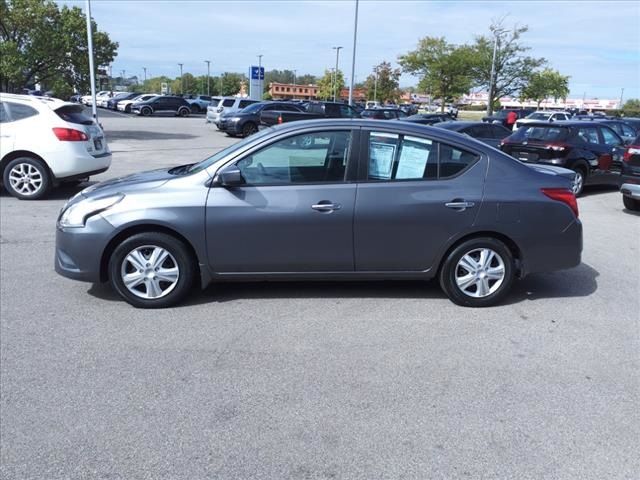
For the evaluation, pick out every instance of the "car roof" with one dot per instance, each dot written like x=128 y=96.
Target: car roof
x=52 y=103
x=456 y=125
x=561 y=123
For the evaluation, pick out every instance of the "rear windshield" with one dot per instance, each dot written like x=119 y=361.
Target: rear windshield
x=538 y=116
x=540 y=133
x=369 y=113
x=214 y=102
x=74 y=114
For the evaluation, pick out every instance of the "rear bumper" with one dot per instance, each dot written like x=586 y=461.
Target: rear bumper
x=77 y=163
x=562 y=251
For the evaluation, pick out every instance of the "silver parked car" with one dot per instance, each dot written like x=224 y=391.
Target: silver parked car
x=224 y=106
x=331 y=200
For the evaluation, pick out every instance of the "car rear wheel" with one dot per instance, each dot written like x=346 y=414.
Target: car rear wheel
x=152 y=270
x=478 y=272
x=27 y=178
x=249 y=128
x=631 y=203
x=146 y=111
x=183 y=112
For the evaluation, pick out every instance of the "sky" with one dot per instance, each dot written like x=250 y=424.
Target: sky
x=596 y=43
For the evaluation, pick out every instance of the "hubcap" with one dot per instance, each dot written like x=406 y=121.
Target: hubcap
x=25 y=179
x=577 y=183
x=149 y=272
x=480 y=272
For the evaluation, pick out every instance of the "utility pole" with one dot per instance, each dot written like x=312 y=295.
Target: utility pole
x=375 y=85
x=353 y=58
x=260 y=76
x=208 y=62
x=335 y=84
x=92 y=72
x=145 y=74
x=295 y=72
x=181 y=81
x=621 y=94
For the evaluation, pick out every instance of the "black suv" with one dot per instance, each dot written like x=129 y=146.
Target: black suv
x=246 y=121
x=164 y=104
x=591 y=149
x=630 y=180
x=501 y=116
x=384 y=113
x=428 y=118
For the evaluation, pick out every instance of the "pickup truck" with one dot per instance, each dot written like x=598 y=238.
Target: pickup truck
x=310 y=111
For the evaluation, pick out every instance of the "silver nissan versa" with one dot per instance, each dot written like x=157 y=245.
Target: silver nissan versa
x=329 y=200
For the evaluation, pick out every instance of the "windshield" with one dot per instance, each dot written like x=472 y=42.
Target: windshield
x=206 y=163
x=253 y=108
x=546 y=134
x=538 y=116
x=74 y=114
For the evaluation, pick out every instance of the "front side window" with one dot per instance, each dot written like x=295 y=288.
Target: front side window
x=20 y=112
x=245 y=103
x=403 y=157
x=228 y=102
x=627 y=131
x=318 y=157
x=588 y=134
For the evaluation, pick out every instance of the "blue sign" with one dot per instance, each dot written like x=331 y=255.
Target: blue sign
x=257 y=73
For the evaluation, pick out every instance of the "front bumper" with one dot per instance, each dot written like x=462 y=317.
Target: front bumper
x=79 y=251
x=630 y=190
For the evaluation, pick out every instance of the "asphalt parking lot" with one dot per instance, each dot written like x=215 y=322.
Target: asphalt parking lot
x=313 y=381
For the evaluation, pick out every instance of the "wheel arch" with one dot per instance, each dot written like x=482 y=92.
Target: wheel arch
x=513 y=247
x=149 y=228
x=23 y=153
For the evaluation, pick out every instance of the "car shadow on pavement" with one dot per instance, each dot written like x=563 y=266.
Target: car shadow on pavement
x=577 y=282
x=113 y=135
x=631 y=212
x=591 y=190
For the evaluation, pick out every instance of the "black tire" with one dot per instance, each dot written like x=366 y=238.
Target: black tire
x=631 y=203
x=39 y=179
x=249 y=128
x=180 y=254
x=184 y=112
x=127 y=108
x=578 y=183
x=146 y=111
x=451 y=270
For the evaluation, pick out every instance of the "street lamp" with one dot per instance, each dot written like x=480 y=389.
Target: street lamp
x=208 y=62
x=498 y=33
x=145 y=73
x=181 y=82
x=260 y=76
x=375 y=85
x=335 y=84
x=353 y=58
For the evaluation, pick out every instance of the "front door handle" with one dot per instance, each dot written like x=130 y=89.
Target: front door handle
x=460 y=205
x=326 y=207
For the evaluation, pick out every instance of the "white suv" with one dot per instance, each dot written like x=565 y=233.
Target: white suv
x=125 y=105
x=224 y=106
x=45 y=142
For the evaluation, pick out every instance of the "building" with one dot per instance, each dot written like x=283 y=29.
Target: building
x=290 y=91
x=481 y=98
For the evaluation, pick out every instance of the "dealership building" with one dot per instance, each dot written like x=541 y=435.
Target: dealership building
x=291 y=91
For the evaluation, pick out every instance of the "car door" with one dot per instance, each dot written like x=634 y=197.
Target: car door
x=615 y=146
x=294 y=211
x=414 y=195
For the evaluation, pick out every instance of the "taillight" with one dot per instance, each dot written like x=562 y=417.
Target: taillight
x=557 y=147
x=631 y=150
x=563 y=195
x=70 y=135
x=279 y=119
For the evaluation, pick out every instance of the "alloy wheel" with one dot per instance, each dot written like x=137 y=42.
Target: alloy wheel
x=26 y=179
x=578 y=182
x=480 y=272
x=149 y=272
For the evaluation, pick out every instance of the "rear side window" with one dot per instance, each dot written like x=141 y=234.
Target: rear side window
x=404 y=157
x=245 y=103
x=541 y=134
x=610 y=138
x=215 y=102
x=588 y=134
x=206 y=98
x=20 y=112
x=228 y=102
x=74 y=114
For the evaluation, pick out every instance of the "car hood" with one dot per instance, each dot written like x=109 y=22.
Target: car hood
x=135 y=182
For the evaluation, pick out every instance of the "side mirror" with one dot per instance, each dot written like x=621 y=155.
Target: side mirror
x=229 y=177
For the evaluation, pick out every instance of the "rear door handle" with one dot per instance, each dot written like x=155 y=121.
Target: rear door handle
x=326 y=207
x=459 y=205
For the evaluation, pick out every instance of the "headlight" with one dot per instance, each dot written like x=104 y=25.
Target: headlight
x=76 y=215
x=234 y=119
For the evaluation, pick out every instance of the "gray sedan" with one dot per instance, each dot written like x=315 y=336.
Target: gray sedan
x=326 y=200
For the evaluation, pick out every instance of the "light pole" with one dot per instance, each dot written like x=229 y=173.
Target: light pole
x=144 y=69
x=208 y=62
x=294 y=83
x=335 y=84
x=181 y=82
x=621 y=94
x=375 y=85
x=92 y=75
x=260 y=76
x=353 y=58
x=497 y=32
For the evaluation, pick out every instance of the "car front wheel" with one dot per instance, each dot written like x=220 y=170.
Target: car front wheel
x=631 y=203
x=146 y=111
x=152 y=270
x=27 y=178
x=183 y=112
x=478 y=272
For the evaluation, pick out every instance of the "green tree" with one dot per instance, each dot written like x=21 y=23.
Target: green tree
x=632 y=104
x=327 y=84
x=544 y=84
x=231 y=83
x=444 y=68
x=42 y=43
x=386 y=87
x=513 y=68
x=306 y=79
